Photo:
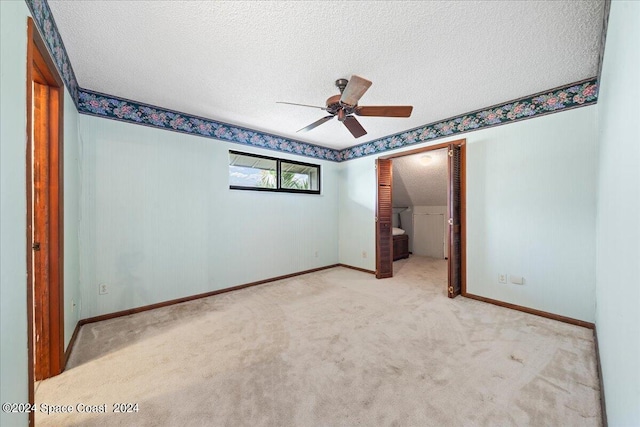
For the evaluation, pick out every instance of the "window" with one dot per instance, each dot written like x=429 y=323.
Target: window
x=253 y=172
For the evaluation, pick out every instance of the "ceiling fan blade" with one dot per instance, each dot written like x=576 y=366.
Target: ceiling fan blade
x=385 y=111
x=356 y=87
x=316 y=124
x=354 y=126
x=301 y=105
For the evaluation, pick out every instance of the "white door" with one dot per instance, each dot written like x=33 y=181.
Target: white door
x=428 y=235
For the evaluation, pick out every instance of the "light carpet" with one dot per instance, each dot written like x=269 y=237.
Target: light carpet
x=332 y=348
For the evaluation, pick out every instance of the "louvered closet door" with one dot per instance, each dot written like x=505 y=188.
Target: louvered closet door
x=384 y=238
x=455 y=248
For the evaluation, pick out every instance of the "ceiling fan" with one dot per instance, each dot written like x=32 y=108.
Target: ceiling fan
x=345 y=105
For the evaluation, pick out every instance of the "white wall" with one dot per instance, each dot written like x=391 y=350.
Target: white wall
x=618 y=219
x=357 y=183
x=72 y=186
x=530 y=212
x=13 y=264
x=159 y=221
x=430 y=210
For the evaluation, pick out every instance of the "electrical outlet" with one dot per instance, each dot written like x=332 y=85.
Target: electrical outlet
x=316 y=254
x=364 y=254
x=73 y=305
x=502 y=278
x=103 y=289
x=517 y=280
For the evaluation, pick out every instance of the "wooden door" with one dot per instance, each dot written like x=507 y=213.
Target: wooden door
x=44 y=212
x=384 y=237
x=455 y=219
x=40 y=231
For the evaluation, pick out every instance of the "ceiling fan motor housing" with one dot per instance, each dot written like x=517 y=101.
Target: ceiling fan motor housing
x=334 y=106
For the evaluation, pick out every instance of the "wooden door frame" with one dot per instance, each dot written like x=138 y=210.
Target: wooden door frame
x=462 y=143
x=41 y=69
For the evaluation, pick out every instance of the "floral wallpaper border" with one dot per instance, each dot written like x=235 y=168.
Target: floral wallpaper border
x=563 y=98
x=101 y=105
x=48 y=29
x=575 y=95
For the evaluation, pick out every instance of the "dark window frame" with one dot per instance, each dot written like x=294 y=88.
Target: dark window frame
x=278 y=188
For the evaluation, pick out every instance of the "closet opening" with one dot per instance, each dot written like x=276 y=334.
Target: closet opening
x=426 y=215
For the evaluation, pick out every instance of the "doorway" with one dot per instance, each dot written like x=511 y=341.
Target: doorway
x=455 y=224
x=44 y=213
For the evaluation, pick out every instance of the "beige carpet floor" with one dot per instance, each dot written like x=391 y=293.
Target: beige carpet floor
x=332 y=348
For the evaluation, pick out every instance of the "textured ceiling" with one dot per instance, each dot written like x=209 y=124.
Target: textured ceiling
x=232 y=60
x=420 y=182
